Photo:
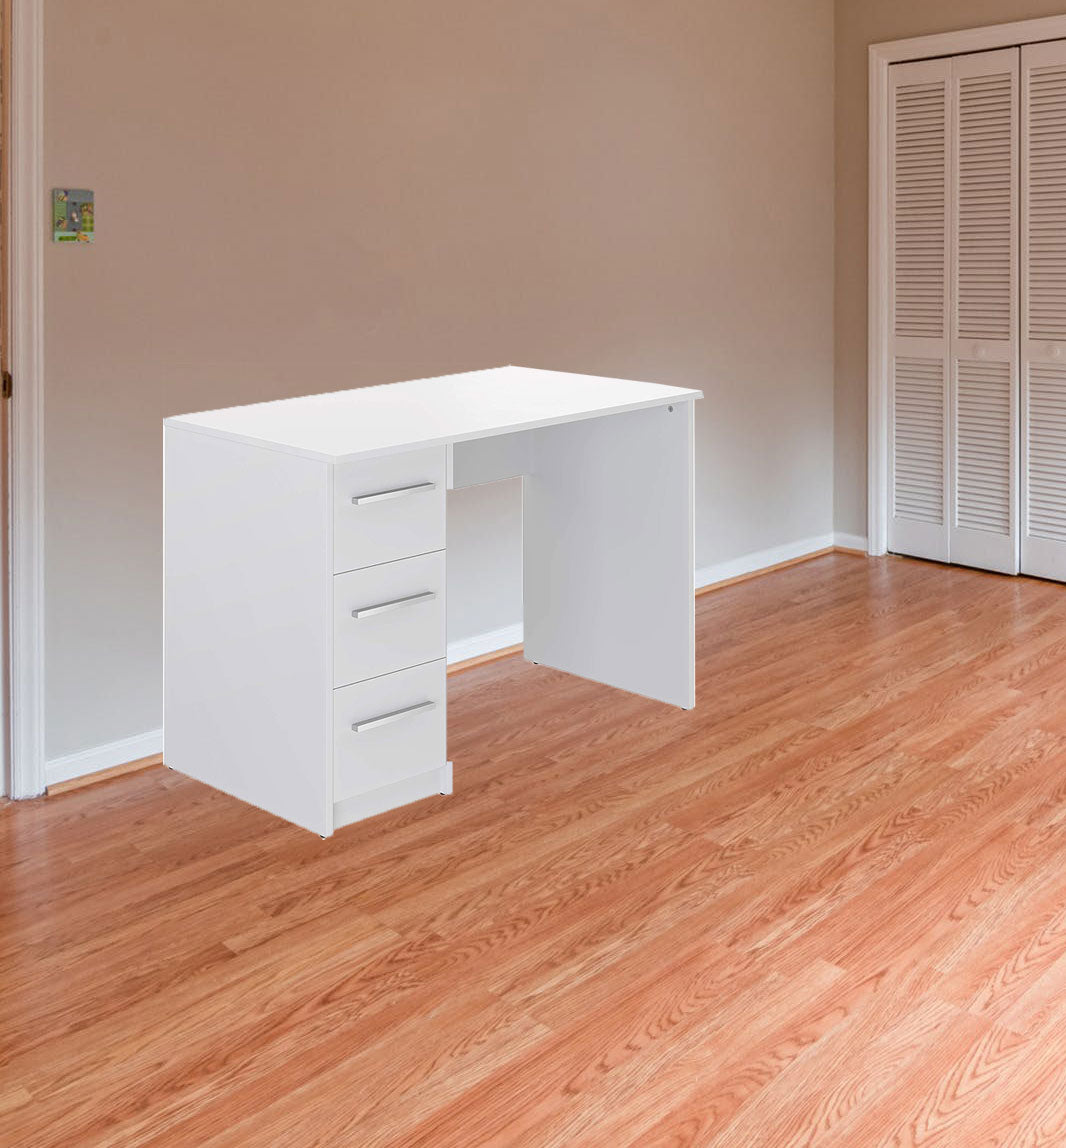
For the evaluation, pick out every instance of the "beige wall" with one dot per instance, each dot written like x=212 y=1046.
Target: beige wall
x=304 y=197
x=860 y=23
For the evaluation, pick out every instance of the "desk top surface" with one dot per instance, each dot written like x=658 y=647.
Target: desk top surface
x=425 y=412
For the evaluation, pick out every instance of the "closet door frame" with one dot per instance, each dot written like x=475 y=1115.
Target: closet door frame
x=881 y=57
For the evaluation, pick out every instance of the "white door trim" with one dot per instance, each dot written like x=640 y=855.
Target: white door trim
x=881 y=56
x=28 y=221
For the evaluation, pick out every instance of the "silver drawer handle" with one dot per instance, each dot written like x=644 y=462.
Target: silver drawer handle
x=399 y=492
x=395 y=604
x=384 y=719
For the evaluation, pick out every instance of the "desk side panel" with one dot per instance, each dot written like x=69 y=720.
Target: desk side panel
x=247 y=686
x=608 y=551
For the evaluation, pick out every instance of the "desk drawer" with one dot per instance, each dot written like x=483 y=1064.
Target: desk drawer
x=402 y=721
x=388 y=617
x=399 y=512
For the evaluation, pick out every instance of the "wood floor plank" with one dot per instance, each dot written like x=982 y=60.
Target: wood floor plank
x=824 y=908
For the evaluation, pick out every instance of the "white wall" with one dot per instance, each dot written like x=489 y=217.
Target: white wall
x=303 y=197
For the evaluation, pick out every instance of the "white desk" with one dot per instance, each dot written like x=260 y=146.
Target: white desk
x=305 y=572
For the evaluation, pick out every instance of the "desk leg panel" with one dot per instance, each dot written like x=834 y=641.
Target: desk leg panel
x=608 y=551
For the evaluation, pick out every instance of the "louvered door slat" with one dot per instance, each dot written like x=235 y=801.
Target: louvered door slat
x=920 y=210
x=919 y=440
x=983 y=448
x=1046 y=469
x=1046 y=193
x=985 y=196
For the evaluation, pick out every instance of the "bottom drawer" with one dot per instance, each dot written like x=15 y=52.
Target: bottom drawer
x=389 y=728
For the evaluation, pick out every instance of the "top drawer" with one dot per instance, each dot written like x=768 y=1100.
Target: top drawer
x=388 y=508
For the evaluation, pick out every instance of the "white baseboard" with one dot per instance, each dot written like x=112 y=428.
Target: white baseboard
x=486 y=643
x=760 y=559
x=105 y=756
x=144 y=745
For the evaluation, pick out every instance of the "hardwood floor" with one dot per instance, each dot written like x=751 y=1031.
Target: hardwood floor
x=827 y=907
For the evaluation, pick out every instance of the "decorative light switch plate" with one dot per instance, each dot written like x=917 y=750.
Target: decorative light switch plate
x=73 y=215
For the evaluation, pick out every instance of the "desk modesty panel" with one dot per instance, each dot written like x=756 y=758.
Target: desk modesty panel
x=305 y=558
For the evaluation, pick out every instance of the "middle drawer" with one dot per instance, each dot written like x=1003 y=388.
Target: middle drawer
x=388 y=617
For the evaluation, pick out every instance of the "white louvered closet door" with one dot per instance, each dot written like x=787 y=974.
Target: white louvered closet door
x=919 y=352
x=953 y=221
x=983 y=392
x=1043 y=301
